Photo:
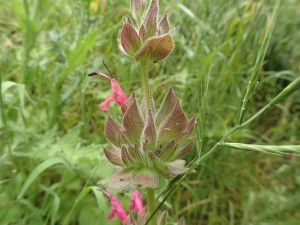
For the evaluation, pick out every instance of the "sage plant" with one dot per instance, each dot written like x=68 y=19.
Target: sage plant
x=148 y=144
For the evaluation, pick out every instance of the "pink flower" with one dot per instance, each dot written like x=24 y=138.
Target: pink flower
x=136 y=202
x=116 y=95
x=116 y=207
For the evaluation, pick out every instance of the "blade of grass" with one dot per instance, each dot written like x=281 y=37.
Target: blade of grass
x=259 y=62
x=81 y=196
x=286 y=92
x=100 y=199
x=291 y=203
x=85 y=190
x=192 y=15
x=38 y=171
x=1 y=102
x=54 y=206
x=273 y=149
x=202 y=109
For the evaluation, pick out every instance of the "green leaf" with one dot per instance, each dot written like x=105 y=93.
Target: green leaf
x=37 y=171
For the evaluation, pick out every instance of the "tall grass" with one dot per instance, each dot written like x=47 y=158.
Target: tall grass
x=51 y=131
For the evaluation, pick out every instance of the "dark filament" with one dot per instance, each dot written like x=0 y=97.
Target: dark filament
x=108 y=69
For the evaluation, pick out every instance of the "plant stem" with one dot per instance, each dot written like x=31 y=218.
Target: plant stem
x=151 y=205
x=144 y=71
x=146 y=90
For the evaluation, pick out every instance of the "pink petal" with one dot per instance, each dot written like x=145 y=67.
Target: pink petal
x=136 y=202
x=105 y=105
x=116 y=207
x=107 y=193
x=118 y=94
x=121 y=213
x=111 y=215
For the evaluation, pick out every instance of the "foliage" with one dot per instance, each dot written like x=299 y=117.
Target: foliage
x=51 y=128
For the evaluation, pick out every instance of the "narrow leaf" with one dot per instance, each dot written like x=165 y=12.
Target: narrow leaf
x=290 y=89
x=259 y=62
x=38 y=171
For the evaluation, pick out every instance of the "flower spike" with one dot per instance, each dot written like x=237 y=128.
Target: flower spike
x=148 y=146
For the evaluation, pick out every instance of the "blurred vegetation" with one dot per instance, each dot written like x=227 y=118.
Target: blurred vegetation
x=51 y=130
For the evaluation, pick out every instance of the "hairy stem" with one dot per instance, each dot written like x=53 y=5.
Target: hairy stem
x=144 y=71
x=151 y=205
x=146 y=91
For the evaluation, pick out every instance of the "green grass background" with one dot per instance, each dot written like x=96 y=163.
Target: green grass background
x=51 y=130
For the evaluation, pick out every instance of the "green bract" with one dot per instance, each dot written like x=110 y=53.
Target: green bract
x=148 y=145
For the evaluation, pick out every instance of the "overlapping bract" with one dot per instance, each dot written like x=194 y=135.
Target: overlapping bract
x=147 y=145
x=146 y=38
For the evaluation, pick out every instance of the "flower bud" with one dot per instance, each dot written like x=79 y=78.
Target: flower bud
x=150 y=40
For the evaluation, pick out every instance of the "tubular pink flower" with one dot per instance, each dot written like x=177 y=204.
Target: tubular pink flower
x=136 y=202
x=116 y=95
x=116 y=207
